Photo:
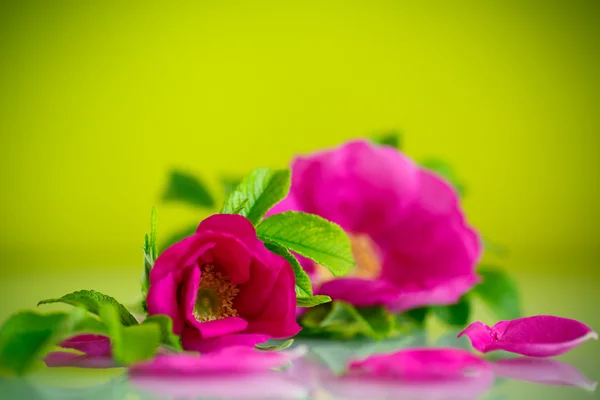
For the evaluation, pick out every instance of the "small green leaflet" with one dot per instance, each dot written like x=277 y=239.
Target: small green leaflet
x=455 y=314
x=392 y=139
x=150 y=252
x=277 y=347
x=168 y=338
x=260 y=190
x=186 y=188
x=130 y=344
x=446 y=171
x=312 y=301
x=92 y=301
x=310 y=236
x=499 y=292
x=26 y=336
x=303 y=283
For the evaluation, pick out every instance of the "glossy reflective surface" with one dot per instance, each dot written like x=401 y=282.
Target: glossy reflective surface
x=571 y=376
x=318 y=375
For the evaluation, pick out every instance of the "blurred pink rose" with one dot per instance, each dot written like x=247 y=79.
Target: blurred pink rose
x=222 y=287
x=411 y=242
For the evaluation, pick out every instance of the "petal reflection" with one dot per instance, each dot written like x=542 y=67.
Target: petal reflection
x=262 y=385
x=544 y=371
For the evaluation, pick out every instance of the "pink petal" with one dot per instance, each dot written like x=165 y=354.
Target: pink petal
x=445 y=292
x=65 y=359
x=544 y=371
x=421 y=364
x=278 y=317
x=233 y=225
x=357 y=185
x=420 y=373
x=192 y=341
x=162 y=299
x=360 y=292
x=228 y=360
x=258 y=386
x=538 y=336
x=93 y=345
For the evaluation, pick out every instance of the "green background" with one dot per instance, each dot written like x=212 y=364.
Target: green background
x=99 y=99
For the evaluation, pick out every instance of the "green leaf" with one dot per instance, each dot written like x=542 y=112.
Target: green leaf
x=348 y=321
x=168 y=337
x=130 y=344
x=179 y=236
x=185 y=188
x=455 y=314
x=446 y=171
x=303 y=283
x=92 y=301
x=277 y=347
x=312 y=301
x=26 y=336
x=392 y=139
x=499 y=292
x=261 y=190
x=310 y=236
x=416 y=315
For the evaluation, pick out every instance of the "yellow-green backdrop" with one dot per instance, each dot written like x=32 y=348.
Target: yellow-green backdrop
x=99 y=99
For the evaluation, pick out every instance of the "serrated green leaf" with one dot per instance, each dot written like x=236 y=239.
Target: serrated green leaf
x=185 y=188
x=179 y=236
x=455 y=314
x=92 y=301
x=392 y=139
x=310 y=236
x=303 y=283
x=277 y=347
x=499 y=292
x=168 y=337
x=446 y=171
x=26 y=336
x=312 y=301
x=130 y=344
x=260 y=190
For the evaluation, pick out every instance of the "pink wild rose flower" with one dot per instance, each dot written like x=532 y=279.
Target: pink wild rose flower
x=411 y=242
x=222 y=287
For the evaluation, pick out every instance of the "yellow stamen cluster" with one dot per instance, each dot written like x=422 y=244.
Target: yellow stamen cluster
x=368 y=262
x=215 y=296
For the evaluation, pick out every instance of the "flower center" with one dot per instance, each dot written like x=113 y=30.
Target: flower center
x=215 y=296
x=368 y=261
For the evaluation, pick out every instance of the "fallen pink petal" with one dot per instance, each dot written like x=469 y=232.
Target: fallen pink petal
x=421 y=364
x=230 y=360
x=65 y=359
x=422 y=373
x=537 y=336
x=93 y=345
x=543 y=370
